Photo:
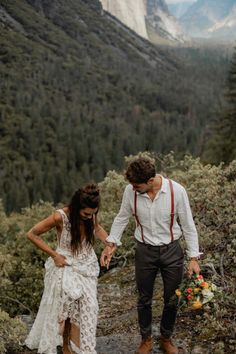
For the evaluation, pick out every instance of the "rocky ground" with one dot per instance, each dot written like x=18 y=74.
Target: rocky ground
x=117 y=326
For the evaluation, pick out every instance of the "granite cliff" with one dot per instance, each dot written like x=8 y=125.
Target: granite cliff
x=150 y=19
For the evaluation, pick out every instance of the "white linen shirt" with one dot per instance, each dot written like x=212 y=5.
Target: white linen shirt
x=154 y=216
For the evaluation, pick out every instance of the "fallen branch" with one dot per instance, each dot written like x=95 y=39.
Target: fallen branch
x=212 y=268
x=224 y=282
x=18 y=302
x=125 y=256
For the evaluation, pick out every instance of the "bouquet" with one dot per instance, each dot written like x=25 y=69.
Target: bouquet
x=195 y=292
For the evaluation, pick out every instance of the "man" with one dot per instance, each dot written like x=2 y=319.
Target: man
x=157 y=203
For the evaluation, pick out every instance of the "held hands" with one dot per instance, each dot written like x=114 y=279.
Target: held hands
x=60 y=260
x=106 y=255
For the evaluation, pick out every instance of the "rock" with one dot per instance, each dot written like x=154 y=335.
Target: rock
x=150 y=19
x=127 y=344
x=131 y=13
x=200 y=350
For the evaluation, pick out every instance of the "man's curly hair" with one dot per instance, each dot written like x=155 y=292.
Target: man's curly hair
x=140 y=170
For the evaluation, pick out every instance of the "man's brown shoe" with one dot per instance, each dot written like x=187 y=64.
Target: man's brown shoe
x=168 y=346
x=145 y=346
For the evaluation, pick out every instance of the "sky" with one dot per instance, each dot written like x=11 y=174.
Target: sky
x=176 y=1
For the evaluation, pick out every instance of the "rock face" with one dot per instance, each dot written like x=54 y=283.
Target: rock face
x=225 y=27
x=131 y=12
x=161 y=22
x=149 y=18
x=210 y=18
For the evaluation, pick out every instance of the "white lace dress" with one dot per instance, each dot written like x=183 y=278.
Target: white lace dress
x=69 y=292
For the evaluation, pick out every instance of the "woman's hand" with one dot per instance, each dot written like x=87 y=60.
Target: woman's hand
x=106 y=255
x=60 y=260
x=54 y=220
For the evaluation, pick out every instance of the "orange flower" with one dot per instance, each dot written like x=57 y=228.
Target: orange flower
x=178 y=292
x=204 y=285
x=197 y=304
x=196 y=290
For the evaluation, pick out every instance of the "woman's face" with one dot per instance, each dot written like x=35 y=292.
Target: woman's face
x=87 y=213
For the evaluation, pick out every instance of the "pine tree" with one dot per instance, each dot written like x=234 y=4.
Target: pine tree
x=222 y=146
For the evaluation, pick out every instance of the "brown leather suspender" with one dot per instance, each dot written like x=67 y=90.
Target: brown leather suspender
x=136 y=216
x=172 y=213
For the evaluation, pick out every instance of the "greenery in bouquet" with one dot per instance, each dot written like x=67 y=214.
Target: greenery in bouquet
x=195 y=292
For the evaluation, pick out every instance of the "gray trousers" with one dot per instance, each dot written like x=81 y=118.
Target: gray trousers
x=149 y=260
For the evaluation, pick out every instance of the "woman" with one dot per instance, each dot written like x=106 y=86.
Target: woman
x=68 y=310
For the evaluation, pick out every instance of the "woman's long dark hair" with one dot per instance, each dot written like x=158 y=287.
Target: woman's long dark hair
x=86 y=197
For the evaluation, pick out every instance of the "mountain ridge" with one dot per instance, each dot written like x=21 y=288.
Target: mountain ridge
x=204 y=17
x=79 y=101
x=79 y=90
x=151 y=19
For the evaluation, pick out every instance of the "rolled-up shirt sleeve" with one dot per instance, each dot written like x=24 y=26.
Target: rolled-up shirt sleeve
x=187 y=224
x=121 y=220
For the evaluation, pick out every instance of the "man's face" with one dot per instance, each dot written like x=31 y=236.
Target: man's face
x=87 y=213
x=141 y=187
x=144 y=187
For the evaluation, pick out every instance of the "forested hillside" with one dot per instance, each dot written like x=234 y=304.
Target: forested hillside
x=222 y=142
x=79 y=92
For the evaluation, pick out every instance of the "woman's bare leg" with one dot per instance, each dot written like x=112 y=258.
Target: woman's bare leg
x=66 y=337
x=75 y=334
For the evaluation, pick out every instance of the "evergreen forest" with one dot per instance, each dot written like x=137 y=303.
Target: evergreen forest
x=78 y=93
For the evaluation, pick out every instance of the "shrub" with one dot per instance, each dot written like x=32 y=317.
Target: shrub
x=12 y=333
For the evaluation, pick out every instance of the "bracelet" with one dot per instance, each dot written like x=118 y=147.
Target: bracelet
x=109 y=244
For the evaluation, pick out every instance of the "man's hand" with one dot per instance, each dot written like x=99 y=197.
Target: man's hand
x=106 y=255
x=193 y=267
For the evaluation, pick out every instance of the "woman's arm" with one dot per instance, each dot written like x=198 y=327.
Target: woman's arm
x=43 y=226
x=110 y=247
x=100 y=232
